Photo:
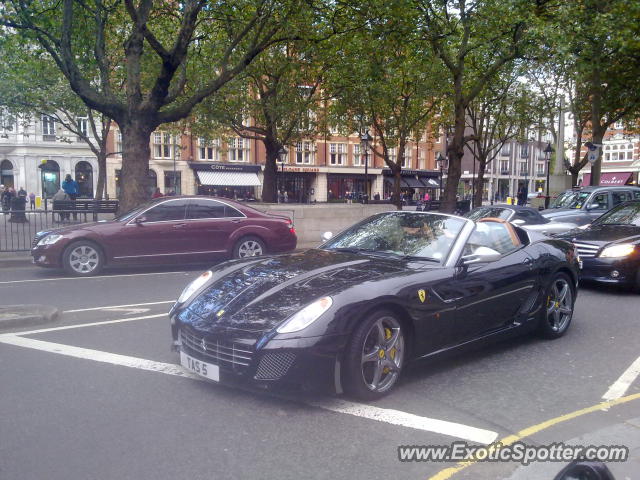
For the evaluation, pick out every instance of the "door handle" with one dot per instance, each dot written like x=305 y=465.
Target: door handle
x=237 y=220
x=180 y=225
x=527 y=261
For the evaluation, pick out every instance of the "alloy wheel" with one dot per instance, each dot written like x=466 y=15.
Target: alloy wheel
x=382 y=354
x=84 y=259
x=249 y=248
x=559 y=305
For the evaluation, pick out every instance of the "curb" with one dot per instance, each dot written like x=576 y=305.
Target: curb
x=15 y=261
x=13 y=316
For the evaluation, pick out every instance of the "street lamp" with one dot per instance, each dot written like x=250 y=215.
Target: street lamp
x=440 y=161
x=282 y=158
x=547 y=156
x=365 y=143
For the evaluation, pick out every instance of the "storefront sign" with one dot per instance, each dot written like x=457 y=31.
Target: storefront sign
x=301 y=169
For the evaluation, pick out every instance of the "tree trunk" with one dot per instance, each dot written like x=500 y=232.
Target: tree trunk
x=598 y=135
x=270 y=180
x=102 y=175
x=574 y=179
x=396 y=188
x=135 y=164
x=479 y=184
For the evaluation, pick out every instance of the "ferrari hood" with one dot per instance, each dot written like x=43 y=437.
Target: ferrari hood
x=257 y=295
x=603 y=234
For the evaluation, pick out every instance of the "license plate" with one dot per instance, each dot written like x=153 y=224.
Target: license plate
x=207 y=370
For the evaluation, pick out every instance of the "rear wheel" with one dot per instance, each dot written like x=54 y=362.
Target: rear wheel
x=249 y=247
x=374 y=357
x=83 y=259
x=558 y=307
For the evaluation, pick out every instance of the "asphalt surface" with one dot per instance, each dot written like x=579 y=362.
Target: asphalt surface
x=67 y=415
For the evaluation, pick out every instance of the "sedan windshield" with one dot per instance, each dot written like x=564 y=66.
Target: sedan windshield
x=489 y=212
x=406 y=234
x=628 y=214
x=571 y=200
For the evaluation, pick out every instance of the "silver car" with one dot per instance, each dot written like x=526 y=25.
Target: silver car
x=525 y=217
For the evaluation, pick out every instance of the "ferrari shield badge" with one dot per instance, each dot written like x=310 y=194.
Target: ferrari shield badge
x=422 y=295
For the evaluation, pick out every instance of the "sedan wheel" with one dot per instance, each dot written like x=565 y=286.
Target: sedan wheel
x=83 y=259
x=375 y=357
x=558 y=309
x=249 y=247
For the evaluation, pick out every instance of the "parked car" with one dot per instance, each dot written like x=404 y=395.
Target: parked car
x=395 y=287
x=610 y=247
x=186 y=229
x=525 y=217
x=585 y=205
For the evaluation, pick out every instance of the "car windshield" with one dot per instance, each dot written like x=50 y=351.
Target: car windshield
x=125 y=217
x=628 y=214
x=406 y=234
x=570 y=199
x=489 y=212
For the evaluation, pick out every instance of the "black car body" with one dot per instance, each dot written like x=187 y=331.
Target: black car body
x=610 y=247
x=233 y=318
x=521 y=216
x=585 y=205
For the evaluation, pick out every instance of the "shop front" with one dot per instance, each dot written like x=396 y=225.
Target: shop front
x=608 y=179
x=299 y=184
x=224 y=180
x=347 y=186
x=413 y=184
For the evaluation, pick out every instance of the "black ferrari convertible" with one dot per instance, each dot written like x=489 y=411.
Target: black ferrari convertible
x=395 y=287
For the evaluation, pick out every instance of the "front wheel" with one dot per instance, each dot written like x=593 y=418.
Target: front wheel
x=83 y=259
x=558 y=307
x=374 y=357
x=249 y=247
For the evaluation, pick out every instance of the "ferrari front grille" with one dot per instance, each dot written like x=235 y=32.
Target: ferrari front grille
x=586 y=250
x=218 y=352
x=274 y=365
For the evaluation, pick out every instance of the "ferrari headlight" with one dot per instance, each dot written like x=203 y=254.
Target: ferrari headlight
x=49 y=240
x=617 y=251
x=306 y=316
x=194 y=286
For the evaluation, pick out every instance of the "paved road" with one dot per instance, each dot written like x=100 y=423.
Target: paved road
x=102 y=398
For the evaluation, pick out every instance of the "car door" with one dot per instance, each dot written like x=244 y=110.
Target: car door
x=488 y=296
x=599 y=203
x=620 y=196
x=153 y=236
x=210 y=223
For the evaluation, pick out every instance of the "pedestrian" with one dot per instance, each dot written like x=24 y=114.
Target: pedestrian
x=376 y=197
x=71 y=188
x=32 y=200
x=157 y=193
x=7 y=196
x=60 y=196
x=22 y=193
x=3 y=192
x=347 y=195
x=522 y=194
x=285 y=197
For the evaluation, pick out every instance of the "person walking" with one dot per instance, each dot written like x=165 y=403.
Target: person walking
x=70 y=187
x=522 y=194
x=32 y=200
x=285 y=197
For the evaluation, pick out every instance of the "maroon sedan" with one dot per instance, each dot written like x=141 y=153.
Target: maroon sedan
x=165 y=231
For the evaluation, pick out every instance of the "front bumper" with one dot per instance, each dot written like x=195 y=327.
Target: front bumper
x=47 y=256
x=619 y=271
x=302 y=363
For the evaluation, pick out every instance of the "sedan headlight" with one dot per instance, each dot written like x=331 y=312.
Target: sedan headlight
x=194 y=286
x=617 y=251
x=306 y=316
x=49 y=240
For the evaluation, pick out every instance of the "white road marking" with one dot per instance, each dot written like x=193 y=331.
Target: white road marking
x=393 y=417
x=404 y=419
x=620 y=386
x=92 y=324
x=57 y=279
x=129 y=311
x=117 y=307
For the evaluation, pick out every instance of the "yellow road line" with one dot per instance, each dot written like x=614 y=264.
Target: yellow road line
x=527 y=432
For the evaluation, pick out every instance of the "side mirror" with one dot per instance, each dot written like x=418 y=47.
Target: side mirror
x=518 y=222
x=326 y=236
x=140 y=220
x=481 y=255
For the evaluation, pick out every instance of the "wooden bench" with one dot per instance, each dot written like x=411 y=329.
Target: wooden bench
x=66 y=207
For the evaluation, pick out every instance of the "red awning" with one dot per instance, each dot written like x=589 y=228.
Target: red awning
x=609 y=178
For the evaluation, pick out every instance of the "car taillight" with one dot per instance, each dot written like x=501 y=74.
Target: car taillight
x=291 y=227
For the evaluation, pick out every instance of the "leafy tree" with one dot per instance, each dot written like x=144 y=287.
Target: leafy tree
x=145 y=63
x=34 y=86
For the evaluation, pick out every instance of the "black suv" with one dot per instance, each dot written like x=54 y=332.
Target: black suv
x=585 y=205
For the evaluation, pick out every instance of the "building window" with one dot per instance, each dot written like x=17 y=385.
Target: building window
x=48 y=128
x=337 y=153
x=506 y=150
x=421 y=161
x=504 y=167
x=238 y=149
x=161 y=145
x=524 y=150
x=540 y=169
x=208 y=149
x=171 y=183
x=83 y=128
x=119 y=141
x=392 y=154
x=618 y=125
x=523 y=168
x=358 y=159
x=305 y=152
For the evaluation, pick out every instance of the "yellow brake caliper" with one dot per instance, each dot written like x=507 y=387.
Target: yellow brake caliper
x=392 y=352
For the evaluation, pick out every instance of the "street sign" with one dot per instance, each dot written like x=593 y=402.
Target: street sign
x=594 y=152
